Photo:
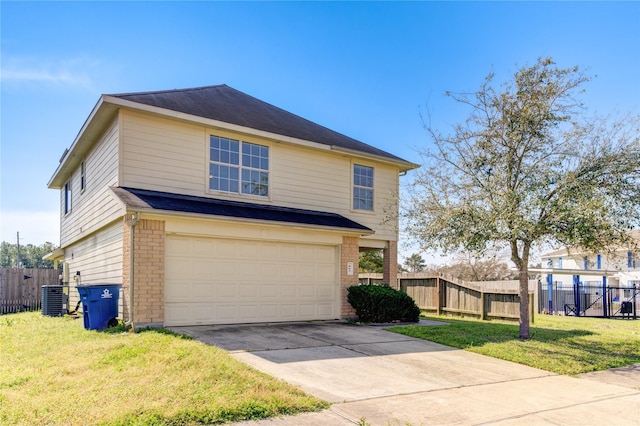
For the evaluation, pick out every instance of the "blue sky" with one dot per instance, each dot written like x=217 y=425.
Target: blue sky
x=364 y=69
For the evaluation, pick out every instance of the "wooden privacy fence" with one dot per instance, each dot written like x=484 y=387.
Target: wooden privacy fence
x=441 y=294
x=21 y=289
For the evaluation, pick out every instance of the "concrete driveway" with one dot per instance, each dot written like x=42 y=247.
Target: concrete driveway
x=390 y=379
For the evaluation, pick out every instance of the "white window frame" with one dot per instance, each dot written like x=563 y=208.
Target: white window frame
x=83 y=176
x=360 y=183
x=247 y=169
x=66 y=194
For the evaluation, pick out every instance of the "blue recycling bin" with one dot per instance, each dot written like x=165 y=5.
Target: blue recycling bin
x=99 y=305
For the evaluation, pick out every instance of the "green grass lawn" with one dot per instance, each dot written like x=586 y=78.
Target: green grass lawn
x=563 y=345
x=53 y=371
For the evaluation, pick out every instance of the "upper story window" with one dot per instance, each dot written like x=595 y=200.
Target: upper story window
x=586 y=262
x=599 y=261
x=631 y=263
x=67 y=197
x=239 y=167
x=83 y=176
x=559 y=263
x=362 y=187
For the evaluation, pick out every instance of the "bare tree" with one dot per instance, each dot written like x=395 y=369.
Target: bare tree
x=468 y=267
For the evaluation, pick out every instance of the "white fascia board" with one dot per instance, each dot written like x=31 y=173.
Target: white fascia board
x=404 y=165
x=155 y=213
x=54 y=255
x=68 y=154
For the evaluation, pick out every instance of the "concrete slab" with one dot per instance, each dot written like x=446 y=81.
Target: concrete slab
x=381 y=378
x=624 y=376
x=557 y=400
x=248 y=337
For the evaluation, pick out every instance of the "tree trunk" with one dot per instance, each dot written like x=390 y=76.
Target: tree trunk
x=523 y=276
x=522 y=263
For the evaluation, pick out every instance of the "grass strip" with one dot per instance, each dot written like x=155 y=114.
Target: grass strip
x=563 y=345
x=53 y=371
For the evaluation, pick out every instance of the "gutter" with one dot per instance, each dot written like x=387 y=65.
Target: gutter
x=134 y=221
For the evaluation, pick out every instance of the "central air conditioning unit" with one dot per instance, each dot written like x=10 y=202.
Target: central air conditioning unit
x=55 y=300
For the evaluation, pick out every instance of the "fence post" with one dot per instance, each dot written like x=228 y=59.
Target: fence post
x=482 y=306
x=604 y=297
x=634 y=301
x=531 y=308
x=439 y=295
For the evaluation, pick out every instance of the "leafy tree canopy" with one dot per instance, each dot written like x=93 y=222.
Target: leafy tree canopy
x=371 y=261
x=528 y=166
x=415 y=263
x=30 y=255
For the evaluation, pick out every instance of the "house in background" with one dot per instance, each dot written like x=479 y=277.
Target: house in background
x=210 y=206
x=620 y=268
x=592 y=284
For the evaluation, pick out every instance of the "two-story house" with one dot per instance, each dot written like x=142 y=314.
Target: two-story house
x=210 y=206
x=617 y=268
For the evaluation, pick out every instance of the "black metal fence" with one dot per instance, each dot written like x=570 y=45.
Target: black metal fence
x=589 y=300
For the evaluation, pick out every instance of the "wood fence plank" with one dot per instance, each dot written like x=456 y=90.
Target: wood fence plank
x=21 y=289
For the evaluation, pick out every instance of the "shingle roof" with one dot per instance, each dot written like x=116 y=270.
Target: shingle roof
x=229 y=105
x=165 y=201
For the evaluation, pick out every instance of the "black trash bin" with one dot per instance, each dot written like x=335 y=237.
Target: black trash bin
x=99 y=305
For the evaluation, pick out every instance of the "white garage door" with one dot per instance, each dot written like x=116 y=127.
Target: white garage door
x=221 y=281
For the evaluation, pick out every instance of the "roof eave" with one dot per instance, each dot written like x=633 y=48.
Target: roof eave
x=404 y=166
x=209 y=122
x=101 y=114
x=56 y=254
x=173 y=213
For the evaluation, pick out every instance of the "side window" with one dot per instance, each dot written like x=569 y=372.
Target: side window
x=83 y=176
x=67 y=197
x=362 y=187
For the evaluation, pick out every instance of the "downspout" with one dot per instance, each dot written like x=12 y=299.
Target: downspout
x=134 y=221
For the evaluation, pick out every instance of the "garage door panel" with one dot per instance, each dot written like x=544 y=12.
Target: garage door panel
x=268 y=310
x=203 y=291
x=217 y=281
x=250 y=312
x=179 y=292
x=251 y=291
x=189 y=313
x=307 y=291
x=226 y=290
x=179 y=266
x=268 y=271
x=228 y=269
x=325 y=291
x=288 y=291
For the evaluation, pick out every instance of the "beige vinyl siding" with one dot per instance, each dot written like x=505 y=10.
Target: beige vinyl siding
x=98 y=257
x=162 y=155
x=169 y=155
x=304 y=178
x=95 y=206
x=310 y=179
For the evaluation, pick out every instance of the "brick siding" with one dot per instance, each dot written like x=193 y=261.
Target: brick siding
x=390 y=264
x=350 y=252
x=148 y=272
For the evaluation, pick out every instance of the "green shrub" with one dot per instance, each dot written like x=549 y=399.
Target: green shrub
x=381 y=303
